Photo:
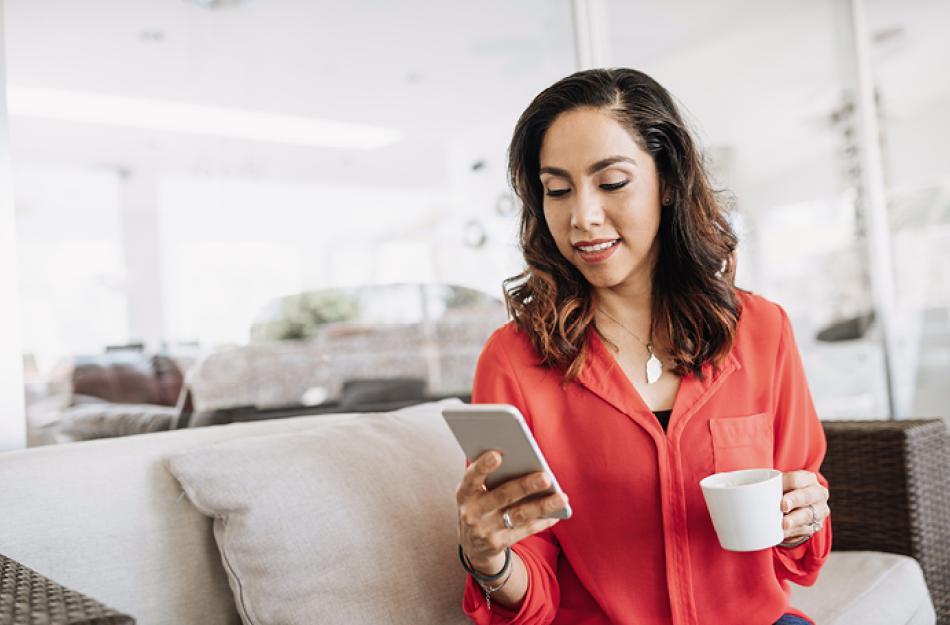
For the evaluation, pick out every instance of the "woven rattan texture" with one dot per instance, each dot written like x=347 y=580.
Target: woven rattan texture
x=890 y=491
x=28 y=598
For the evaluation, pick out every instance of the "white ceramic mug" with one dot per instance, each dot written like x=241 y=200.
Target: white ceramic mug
x=745 y=507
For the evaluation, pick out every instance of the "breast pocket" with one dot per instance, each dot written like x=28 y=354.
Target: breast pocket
x=742 y=442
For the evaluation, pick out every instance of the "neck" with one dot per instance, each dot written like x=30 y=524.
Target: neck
x=633 y=314
x=630 y=302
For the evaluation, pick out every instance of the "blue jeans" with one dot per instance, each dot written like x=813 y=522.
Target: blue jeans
x=789 y=619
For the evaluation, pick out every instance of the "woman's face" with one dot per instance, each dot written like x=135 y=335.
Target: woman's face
x=601 y=198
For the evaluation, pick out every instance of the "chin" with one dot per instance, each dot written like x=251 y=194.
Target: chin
x=603 y=279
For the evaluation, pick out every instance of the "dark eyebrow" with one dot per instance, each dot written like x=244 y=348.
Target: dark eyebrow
x=593 y=169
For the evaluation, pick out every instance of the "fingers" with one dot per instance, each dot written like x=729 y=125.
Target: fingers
x=530 y=518
x=472 y=487
x=792 y=480
x=515 y=490
x=473 y=481
x=483 y=536
x=803 y=496
x=798 y=522
x=526 y=513
x=799 y=518
x=482 y=532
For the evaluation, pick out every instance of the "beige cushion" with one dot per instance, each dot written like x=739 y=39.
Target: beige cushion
x=867 y=588
x=104 y=420
x=352 y=522
x=105 y=517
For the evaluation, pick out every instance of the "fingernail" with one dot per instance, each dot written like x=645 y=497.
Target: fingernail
x=541 y=481
x=492 y=460
x=786 y=506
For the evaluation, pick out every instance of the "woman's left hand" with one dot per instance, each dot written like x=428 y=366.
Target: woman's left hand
x=804 y=504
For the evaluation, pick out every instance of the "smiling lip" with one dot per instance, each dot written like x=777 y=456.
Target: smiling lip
x=599 y=256
x=594 y=242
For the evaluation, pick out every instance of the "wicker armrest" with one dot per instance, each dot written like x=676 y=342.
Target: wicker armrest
x=28 y=598
x=890 y=491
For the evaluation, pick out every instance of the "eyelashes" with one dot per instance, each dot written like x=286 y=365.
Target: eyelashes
x=613 y=186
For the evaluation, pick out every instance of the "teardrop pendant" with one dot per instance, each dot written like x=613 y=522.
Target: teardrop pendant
x=654 y=367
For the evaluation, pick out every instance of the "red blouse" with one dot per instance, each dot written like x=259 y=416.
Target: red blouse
x=640 y=548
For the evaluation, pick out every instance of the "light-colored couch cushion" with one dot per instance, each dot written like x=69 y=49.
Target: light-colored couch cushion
x=867 y=588
x=105 y=517
x=350 y=523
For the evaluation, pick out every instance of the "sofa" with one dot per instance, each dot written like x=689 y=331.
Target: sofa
x=350 y=518
x=117 y=393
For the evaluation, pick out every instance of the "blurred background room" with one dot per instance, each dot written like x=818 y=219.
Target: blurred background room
x=224 y=210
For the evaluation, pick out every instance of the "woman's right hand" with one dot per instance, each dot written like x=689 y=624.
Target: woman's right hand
x=482 y=531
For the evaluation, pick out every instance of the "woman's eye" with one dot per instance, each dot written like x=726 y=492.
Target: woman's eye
x=613 y=186
x=555 y=192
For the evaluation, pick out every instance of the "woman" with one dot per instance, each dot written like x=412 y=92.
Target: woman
x=640 y=368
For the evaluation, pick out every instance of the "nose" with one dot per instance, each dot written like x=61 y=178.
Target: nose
x=586 y=212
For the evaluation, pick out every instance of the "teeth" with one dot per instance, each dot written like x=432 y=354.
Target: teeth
x=596 y=248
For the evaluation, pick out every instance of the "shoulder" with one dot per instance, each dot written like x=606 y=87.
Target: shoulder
x=506 y=366
x=511 y=343
x=760 y=315
x=763 y=326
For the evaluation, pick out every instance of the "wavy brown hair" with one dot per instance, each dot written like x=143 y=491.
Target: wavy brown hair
x=694 y=300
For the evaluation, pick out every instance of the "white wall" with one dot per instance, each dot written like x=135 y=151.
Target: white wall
x=12 y=419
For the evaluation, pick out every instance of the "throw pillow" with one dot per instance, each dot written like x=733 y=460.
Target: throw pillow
x=352 y=522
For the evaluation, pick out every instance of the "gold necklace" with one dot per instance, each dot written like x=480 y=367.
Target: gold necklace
x=654 y=368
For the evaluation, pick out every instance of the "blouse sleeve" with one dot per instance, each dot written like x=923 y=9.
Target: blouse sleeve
x=799 y=445
x=497 y=383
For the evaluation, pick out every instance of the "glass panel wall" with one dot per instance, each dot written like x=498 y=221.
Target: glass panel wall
x=180 y=167
x=770 y=92
x=183 y=170
x=910 y=52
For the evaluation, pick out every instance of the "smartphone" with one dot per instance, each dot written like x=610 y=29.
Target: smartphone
x=481 y=427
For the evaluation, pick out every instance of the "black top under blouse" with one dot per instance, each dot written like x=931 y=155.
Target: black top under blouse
x=663 y=416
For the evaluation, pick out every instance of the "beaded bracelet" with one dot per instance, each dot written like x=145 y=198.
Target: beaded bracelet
x=486 y=581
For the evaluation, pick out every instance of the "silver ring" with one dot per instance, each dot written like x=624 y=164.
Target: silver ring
x=507 y=520
x=814 y=516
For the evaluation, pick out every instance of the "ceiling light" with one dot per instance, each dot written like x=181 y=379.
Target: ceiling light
x=166 y=116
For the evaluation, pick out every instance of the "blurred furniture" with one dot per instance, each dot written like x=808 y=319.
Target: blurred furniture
x=366 y=348
x=335 y=350
x=129 y=524
x=117 y=393
x=848 y=329
x=360 y=395
x=890 y=491
x=127 y=377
